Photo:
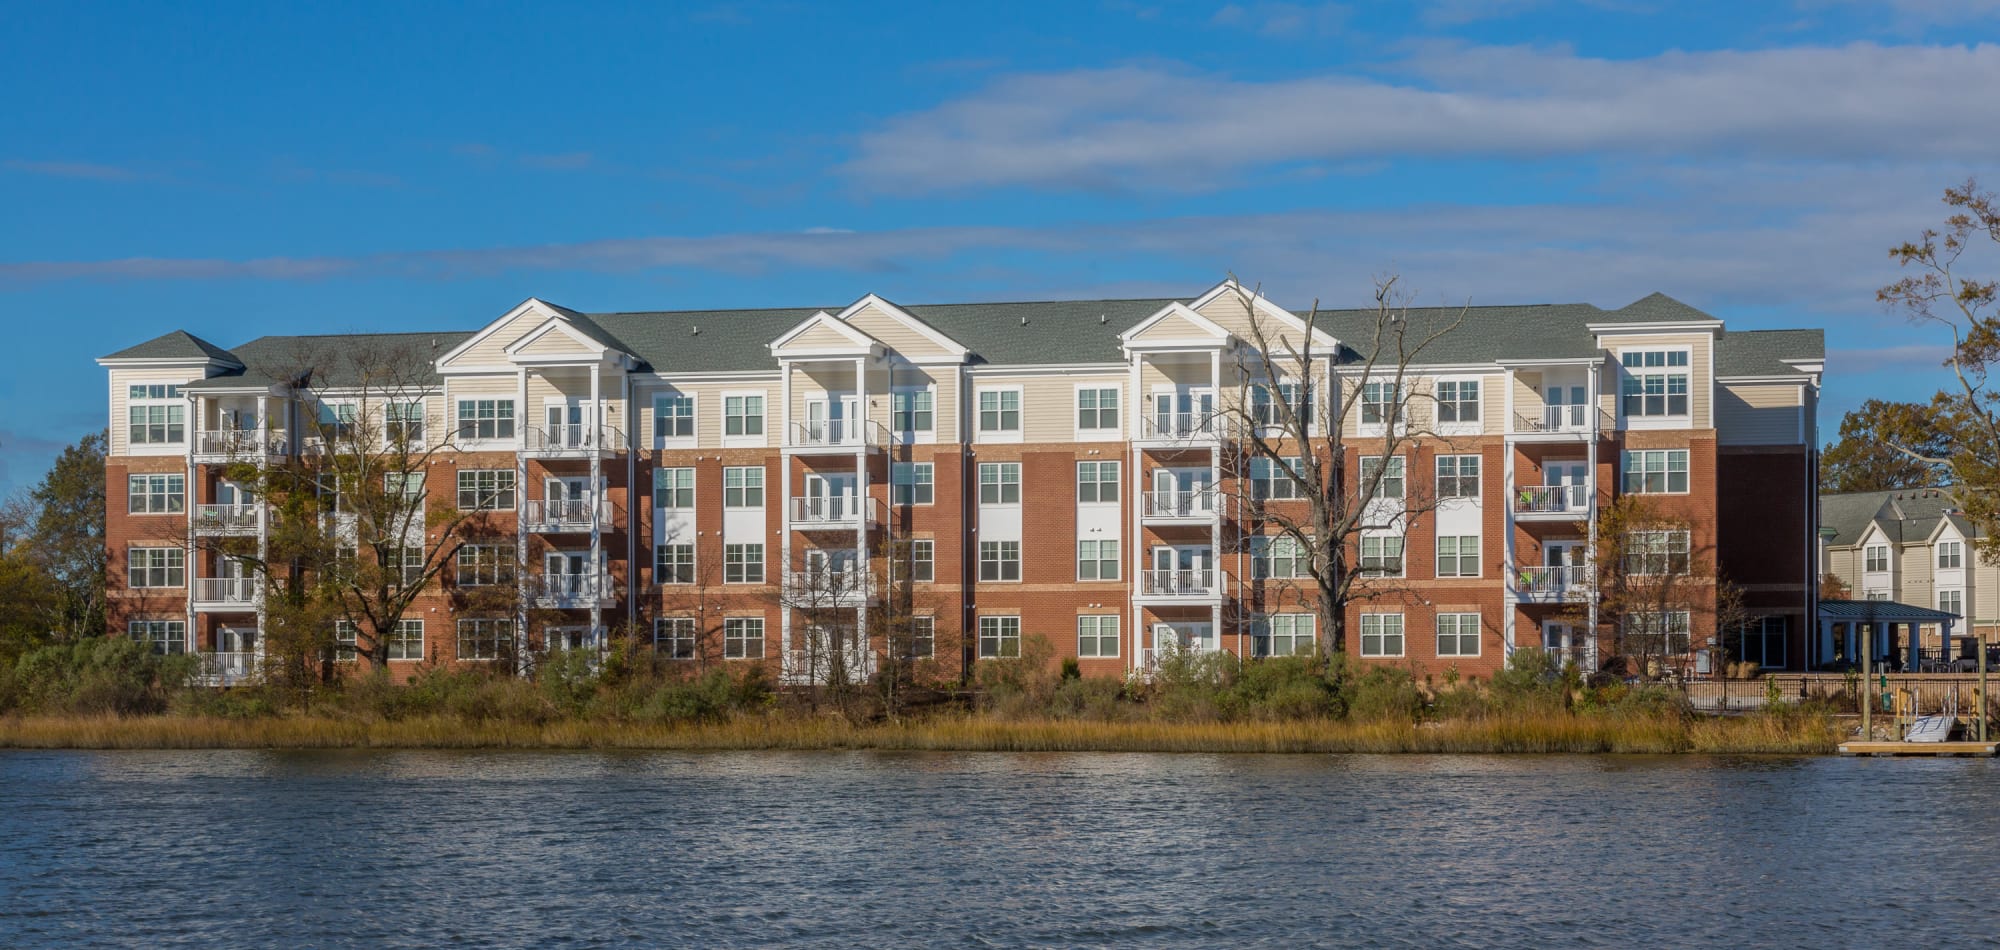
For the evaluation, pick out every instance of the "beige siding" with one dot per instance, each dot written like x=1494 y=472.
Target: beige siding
x=1231 y=313
x=819 y=337
x=1048 y=405
x=1913 y=575
x=1528 y=400
x=1700 y=380
x=492 y=351
x=1758 y=414
x=1164 y=370
x=894 y=333
x=1493 y=404
x=557 y=343
x=1173 y=327
x=815 y=380
x=121 y=381
x=573 y=384
x=708 y=405
x=944 y=405
x=1981 y=601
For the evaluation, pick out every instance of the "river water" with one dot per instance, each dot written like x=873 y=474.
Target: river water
x=272 y=849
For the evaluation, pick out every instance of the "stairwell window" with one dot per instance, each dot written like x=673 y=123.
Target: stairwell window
x=1382 y=477
x=1382 y=635
x=155 y=494
x=1278 y=556
x=1096 y=482
x=743 y=564
x=406 y=640
x=923 y=560
x=1655 y=382
x=673 y=564
x=1270 y=482
x=484 y=638
x=673 y=488
x=742 y=415
x=912 y=483
x=1382 y=555
x=1457 y=634
x=1458 y=476
x=999 y=637
x=485 y=564
x=1097 y=636
x=913 y=410
x=161 y=637
x=1657 y=552
x=1097 y=409
x=674 y=638
x=999 y=483
x=1952 y=602
x=156 y=567
x=1000 y=411
x=1950 y=555
x=743 y=487
x=155 y=415
x=1656 y=471
x=486 y=489
x=1283 y=635
x=999 y=560
x=673 y=416
x=486 y=418
x=337 y=420
x=1876 y=558
x=1458 y=555
x=743 y=638
x=1097 y=560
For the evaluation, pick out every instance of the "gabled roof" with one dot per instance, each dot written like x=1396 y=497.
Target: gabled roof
x=337 y=359
x=177 y=345
x=1657 y=307
x=1765 y=352
x=1904 y=516
x=908 y=319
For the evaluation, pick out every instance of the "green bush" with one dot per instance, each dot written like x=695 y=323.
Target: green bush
x=101 y=675
x=710 y=697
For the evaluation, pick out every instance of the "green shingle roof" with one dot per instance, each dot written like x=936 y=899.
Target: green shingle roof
x=338 y=359
x=177 y=345
x=1763 y=352
x=1904 y=515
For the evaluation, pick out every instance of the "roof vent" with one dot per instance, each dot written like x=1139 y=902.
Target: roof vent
x=1024 y=321
x=1100 y=319
x=697 y=329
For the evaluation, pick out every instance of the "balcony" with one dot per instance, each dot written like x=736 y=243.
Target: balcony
x=563 y=517
x=827 y=588
x=571 y=591
x=1553 y=502
x=835 y=436
x=571 y=441
x=229 y=669
x=222 y=445
x=832 y=513
x=1538 y=584
x=1562 y=422
x=1189 y=585
x=227 y=593
x=226 y=519
x=1166 y=429
x=1191 y=506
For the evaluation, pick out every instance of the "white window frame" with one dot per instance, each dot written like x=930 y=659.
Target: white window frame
x=1655 y=550
x=746 y=440
x=486 y=631
x=162 y=637
x=401 y=645
x=170 y=399
x=1868 y=555
x=170 y=498
x=1005 y=631
x=1097 y=433
x=1002 y=565
x=1635 y=468
x=1381 y=541
x=511 y=493
x=1952 y=551
x=736 y=638
x=739 y=569
x=661 y=439
x=171 y=560
x=906 y=487
x=1957 y=598
x=1669 y=621
x=1458 y=555
x=927 y=547
x=676 y=638
x=1000 y=470
x=1097 y=559
x=1398 y=405
x=1264 y=634
x=666 y=497
x=660 y=554
x=998 y=435
x=1270 y=482
x=923 y=630
x=391 y=416
x=1381 y=622
x=1458 y=476
x=912 y=433
x=1477 y=424
x=1457 y=621
x=458 y=420
x=1092 y=629
x=485 y=565
x=1662 y=420
x=1400 y=480
x=1278 y=557
x=1097 y=482
x=742 y=491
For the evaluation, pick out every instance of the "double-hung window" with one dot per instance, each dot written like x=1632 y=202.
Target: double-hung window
x=1458 y=402
x=743 y=563
x=674 y=637
x=1097 y=409
x=162 y=637
x=406 y=640
x=484 y=564
x=1656 y=552
x=1278 y=556
x=1458 y=476
x=923 y=560
x=486 y=418
x=1655 y=382
x=157 y=567
x=1097 y=560
x=923 y=639
x=1383 y=477
x=1950 y=555
x=913 y=410
x=1000 y=411
x=1380 y=403
x=1458 y=555
x=673 y=488
x=1097 y=636
x=1267 y=404
x=483 y=638
x=486 y=489
x=346 y=640
x=999 y=560
x=1656 y=471
x=155 y=415
x=1282 y=635
x=1096 y=482
x=912 y=483
x=1876 y=558
x=999 y=637
x=673 y=563
x=155 y=494
x=743 y=638
x=1457 y=634
x=1381 y=634
x=1658 y=631
x=743 y=487
x=1269 y=480
x=403 y=423
x=1382 y=555
x=673 y=416
x=999 y=483
x=1952 y=602
x=742 y=415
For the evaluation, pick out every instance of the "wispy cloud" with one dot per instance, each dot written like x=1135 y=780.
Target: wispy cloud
x=90 y=171
x=567 y=161
x=1281 y=20
x=1146 y=125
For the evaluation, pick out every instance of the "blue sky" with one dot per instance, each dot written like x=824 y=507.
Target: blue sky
x=239 y=170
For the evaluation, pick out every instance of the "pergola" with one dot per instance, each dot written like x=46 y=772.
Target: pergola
x=1842 y=621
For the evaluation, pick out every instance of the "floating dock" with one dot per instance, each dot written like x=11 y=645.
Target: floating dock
x=1918 y=748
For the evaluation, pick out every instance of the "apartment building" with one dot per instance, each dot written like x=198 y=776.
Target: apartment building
x=1070 y=470
x=1910 y=546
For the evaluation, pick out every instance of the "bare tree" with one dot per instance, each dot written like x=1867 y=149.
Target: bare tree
x=1334 y=475
x=831 y=656
x=1657 y=583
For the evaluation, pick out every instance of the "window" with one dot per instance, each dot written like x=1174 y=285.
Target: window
x=410 y=485
x=484 y=639
x=1096 y=482
x=1283 y=635
x=999 y=560
x=911 y=483
x=1761 y=641
x=486 y=418
x=1097 y=408
x=1097 y=560
x=1458 y=476
x=403 y=423
x=1391 y=484
x=346 y=641
x=1657 y=632
x=154 y=391
x=1264 y=409
x=1655 y=382
x=406 y=563
x=406 y=640
x=673 y=488
x=999 y=637
x=1270 y=481
x=1877 y=558
x=485 y=564
x=1656 y=471
x=999 y=483
x=1097 y=636
x=743 y=487
x=486 y=489
x=157 y=567
x=1458 y=401
x=1458 y=556
x=1952 y=602
x=336 y=420
x=1656 y=552
x=923 y=639
x=743 y=564
x=1381 y=634
x=673 y=416
x=1951 y=554
x=912 y=410
x=159 y=424
x=1458 y=634
x=1279 y=556
x=743 y=638
x=743 y=415
x=673 y=637
x=1000 y=410
x=923 y=560
x=155 y=494
x=673 y=564
x=1382 y=555
x=1380 y=403
x=162 y=637
x=1875 y=595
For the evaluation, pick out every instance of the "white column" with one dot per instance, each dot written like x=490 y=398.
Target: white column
x=1133 y=415
x=521 y=493
x=1590 y=536
x=595 y=436
x=784 y=514
x=862 y=408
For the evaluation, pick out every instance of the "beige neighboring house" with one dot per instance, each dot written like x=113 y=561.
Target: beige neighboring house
x=1912 y=547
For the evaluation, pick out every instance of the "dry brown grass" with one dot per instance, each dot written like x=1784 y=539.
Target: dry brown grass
x=1549 y=733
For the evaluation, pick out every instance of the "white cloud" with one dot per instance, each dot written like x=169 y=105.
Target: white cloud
x=1157 y=126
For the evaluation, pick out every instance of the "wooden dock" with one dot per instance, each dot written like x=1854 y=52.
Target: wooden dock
x=1918 y=748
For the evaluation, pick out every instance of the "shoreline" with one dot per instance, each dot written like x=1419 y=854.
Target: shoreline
x=1496 y=735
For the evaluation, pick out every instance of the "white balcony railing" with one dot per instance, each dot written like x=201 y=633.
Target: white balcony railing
x=1177 y=583
x=832 y=511
x=227 y=591
x=226 y=519
x=1565 y=418
x=1182 y=426
x=826 y=586
x=1545 y=583
x=574 y=515
x=1552 y=499
x=567 y=439
x=1199 y=503
x=564 y=591
x=229 y=669
x=237 y=443
x=836 y=434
